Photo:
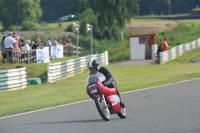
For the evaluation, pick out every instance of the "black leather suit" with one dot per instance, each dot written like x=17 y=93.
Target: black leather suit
x=109 y=82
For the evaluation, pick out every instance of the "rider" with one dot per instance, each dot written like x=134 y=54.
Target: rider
x=93 y=66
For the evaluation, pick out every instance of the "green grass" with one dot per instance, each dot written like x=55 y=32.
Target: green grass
x=129 y=77
x=53 y=26
x=35 y=69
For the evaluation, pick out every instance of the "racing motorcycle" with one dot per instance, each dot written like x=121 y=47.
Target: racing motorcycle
x=106 y=99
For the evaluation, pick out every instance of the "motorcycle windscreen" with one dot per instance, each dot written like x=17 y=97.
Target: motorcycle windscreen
x=93 y=78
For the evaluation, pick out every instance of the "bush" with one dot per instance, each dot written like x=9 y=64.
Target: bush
x=15 y=28
x=195 y=11
x=28 y=25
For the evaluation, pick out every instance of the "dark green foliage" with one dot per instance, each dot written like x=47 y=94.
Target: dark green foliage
x=89 y=17
x=54 y=9
x=166 y=7
x=14 y=12
x=112 y=15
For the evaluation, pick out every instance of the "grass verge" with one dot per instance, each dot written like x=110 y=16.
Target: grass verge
x=72 y=89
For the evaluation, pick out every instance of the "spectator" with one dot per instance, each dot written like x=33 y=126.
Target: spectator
x=48 y=42
x=159 y=50
x=69 y=42
x=164 y=45
x=32 y=44
x=42 y=46
x=37 y=44
x=27 y=45
x=59 y=40
x=9 y=42
x=55 y=42
x=17 y=44
x=3 y=48
x=65 y=42
x=22 y=43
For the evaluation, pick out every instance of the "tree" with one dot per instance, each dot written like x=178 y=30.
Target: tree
x=54 y=9
x=15 y=12
x=112 y=15
x=88 y=16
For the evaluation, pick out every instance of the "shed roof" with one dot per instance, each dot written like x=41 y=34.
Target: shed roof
x=143 y=35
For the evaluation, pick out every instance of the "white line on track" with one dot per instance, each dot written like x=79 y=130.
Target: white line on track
x=91 y=99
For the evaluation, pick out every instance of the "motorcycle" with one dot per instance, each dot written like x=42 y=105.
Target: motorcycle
x=106 y=99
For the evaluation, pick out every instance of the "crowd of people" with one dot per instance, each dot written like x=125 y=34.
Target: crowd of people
x=14 y=42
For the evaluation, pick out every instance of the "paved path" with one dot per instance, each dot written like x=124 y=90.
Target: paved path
x=134 y=62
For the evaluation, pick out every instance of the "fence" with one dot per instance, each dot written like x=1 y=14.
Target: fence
x=61 y=70
x=71 y=50
x=25 y=56
x=13 y=79
x=178 y=51
x=30 y=56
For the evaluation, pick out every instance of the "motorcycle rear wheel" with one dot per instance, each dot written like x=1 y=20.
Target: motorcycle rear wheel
x=122 y=113
x=103 y=111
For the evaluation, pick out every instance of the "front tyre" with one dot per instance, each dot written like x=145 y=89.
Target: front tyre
x=122 y=113
x=103 y=111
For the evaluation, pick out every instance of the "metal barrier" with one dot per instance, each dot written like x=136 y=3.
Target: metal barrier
x=13 y=79
x=62 y=70
x=177 y=51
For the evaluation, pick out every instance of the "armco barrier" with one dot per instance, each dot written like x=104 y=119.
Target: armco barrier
x=13 y=79
x=61 y=70
x=178 y=51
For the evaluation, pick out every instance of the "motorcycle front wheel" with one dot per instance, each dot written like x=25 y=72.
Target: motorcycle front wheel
x=122 y=113
x=103 y=111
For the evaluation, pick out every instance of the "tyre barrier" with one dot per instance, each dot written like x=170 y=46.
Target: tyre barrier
x=13 y=79
x=178 y=51
x=62 y=70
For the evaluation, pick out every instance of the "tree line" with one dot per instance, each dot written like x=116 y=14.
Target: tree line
x=107 y=16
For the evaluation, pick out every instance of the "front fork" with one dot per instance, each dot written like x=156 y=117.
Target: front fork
x=104 y=101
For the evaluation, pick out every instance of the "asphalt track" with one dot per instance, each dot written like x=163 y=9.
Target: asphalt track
x=173 y=108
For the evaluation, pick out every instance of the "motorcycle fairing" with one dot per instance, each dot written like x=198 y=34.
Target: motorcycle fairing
x=115 y=102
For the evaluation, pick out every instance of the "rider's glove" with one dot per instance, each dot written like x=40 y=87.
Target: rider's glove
x=105 y=83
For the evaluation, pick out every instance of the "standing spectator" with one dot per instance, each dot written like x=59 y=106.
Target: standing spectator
x=22 y=43
x=17 y=44
x=37 y=44
x=164 y=45
x=151 y=40
x=9 y=42
x=3 y=48
x=27 y=45
x=69 y=42
x=48 y=42
x=31 y=44
x=159 y=50
x=65 y=42
x=59 y=40
x=55 y=42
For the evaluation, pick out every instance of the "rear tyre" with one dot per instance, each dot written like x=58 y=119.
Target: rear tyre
x=122 y=113
x=103 y=111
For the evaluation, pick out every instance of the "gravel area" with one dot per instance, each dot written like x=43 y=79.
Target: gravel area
x=134 y=62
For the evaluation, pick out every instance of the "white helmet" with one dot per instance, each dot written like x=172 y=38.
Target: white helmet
x=93 y=64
